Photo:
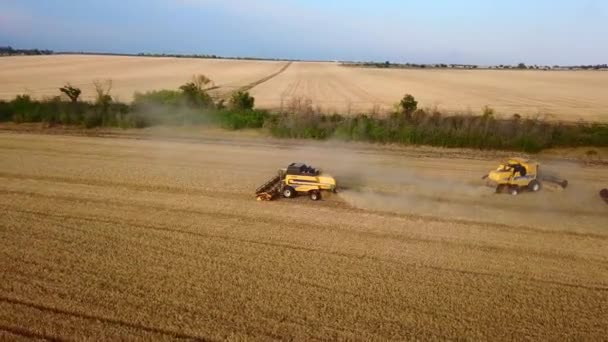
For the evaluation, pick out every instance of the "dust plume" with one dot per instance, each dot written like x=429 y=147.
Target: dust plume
x=452 y=188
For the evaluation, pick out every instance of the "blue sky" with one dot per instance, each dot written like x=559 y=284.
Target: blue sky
x=432 y=31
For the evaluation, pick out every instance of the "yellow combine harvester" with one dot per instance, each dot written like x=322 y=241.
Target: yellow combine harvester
x=296 y=179
x=517 y=175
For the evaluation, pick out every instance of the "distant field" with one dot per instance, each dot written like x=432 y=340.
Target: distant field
x=561 y=95
x=43 y=75
x=566 y=95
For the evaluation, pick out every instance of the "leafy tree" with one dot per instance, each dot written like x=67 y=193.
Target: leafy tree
x=71 y=92
x=408 y=105
x=521 y=66
x=196 y=93
x=242 y=100
x=195 y=96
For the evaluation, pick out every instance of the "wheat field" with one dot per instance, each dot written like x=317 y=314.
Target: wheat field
x=557 y=95
x=42 y=75
x=155 y=239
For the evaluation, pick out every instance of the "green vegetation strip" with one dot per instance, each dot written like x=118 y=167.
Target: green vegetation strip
x=191 y=105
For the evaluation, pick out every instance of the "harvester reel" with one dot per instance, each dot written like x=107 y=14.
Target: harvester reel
x=264 y=197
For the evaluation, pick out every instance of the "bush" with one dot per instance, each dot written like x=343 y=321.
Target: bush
x=487 y=112
x=6 y=112
x=408 y=105
x=196 y=97
x=160 y=97
x=195 y=92
x=24 y=109
x=92 y=118
x=242 y=101
x=239 y=119
x=482 y=132
x=301 y=120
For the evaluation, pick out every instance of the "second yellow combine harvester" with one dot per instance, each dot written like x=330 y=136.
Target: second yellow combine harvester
x=297 y=178
x=517 y=175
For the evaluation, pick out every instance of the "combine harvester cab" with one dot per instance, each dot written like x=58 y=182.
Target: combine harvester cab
x=297 y=178
x=518 y=174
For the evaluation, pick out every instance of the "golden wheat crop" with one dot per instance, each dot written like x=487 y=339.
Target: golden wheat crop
x=113 y=238
x=560 y=95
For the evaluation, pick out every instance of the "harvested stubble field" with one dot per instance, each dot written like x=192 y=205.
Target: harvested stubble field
x=121 y=238
x=560 y=95
x=42 y=75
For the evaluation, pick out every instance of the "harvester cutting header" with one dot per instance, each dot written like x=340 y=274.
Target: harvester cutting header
x=297 y=178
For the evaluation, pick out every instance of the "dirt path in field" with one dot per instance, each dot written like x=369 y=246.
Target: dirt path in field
x=265 y=79
x=226 y=92
x=118 y=238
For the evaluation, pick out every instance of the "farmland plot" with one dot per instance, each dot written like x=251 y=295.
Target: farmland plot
x=117 y=238
x=556 y=95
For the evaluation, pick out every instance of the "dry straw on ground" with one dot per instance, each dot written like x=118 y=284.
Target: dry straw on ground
x=143 y=239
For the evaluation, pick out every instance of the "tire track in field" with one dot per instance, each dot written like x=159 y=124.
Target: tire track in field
x=363 y=96
x=446 y=314
x=319 y=227
x=252 y=85
x=29 y=334
x=128 y=186
x=107 y=320
x=313 y=250
x=291 y=279
x=70 y=271
x=341 y=206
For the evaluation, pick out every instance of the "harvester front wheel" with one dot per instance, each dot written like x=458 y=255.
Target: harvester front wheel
x=534 y=186
x=500 y=188
x=315 y=195
x=514 y=190
x=289 y=192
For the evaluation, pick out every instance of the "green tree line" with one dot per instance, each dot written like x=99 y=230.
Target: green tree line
x=191 y=104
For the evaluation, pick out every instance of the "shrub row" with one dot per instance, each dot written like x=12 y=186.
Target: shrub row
x=435 y=129
x=192 y=105
x=163 y=107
